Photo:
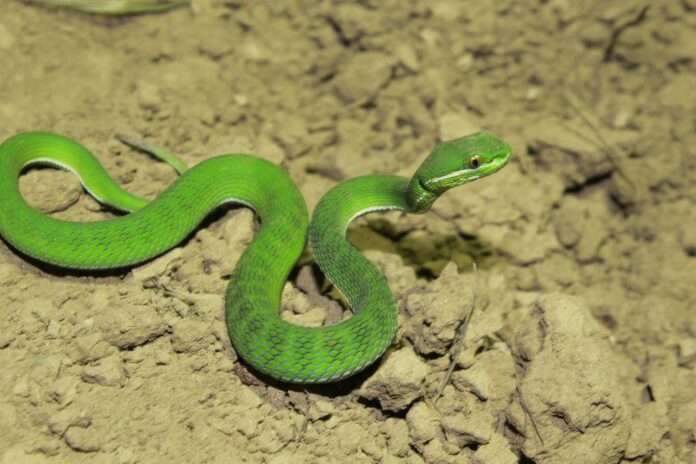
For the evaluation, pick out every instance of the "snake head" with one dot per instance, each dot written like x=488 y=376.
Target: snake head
x=456 y=162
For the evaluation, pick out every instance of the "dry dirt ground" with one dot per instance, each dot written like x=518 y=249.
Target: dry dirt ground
x=582 y=346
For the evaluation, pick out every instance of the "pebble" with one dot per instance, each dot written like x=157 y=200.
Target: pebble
x=190 y=336
x=109 y=372
x=315 y=317
x=50 y=191
x=490 y=378
x=423 y=423
x=90 y=347
x=398 y=381
x=128 y=325
x=473 y=428
x=148 y=95
x=321 y=409
x=82 y=439
x=350 y=437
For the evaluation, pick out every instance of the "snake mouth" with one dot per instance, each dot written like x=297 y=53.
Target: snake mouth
x=440 y=184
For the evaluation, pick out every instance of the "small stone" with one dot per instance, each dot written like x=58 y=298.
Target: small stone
x=350 y=437
x=129 y=325
x=148 y=96
x=90 y=348
x=191 y=336
x=108 y=372
x=237 y=232
x=50 y=191
x=490 y=378
x=437 y=314
x=321 y=409
x=315 y=317
x=398 y=381
x=474 y=428
x=82 y=439
x=423 y=423
x=306 y=280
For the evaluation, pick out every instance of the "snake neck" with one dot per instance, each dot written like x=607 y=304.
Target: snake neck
x=338 y=259
x=418 y=199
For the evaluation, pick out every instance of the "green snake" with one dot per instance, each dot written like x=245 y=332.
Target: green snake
x=273 y=346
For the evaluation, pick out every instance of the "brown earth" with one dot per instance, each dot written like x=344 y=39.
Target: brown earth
x=582 y=346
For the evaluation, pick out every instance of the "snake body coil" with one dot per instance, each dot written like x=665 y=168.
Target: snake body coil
x=273 y=346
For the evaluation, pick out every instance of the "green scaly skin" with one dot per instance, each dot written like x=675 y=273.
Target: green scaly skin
x=271 y=345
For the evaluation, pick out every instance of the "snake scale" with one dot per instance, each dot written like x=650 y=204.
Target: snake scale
x=282 y=350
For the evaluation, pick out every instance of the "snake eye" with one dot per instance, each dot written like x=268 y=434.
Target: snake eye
x=474 y=162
